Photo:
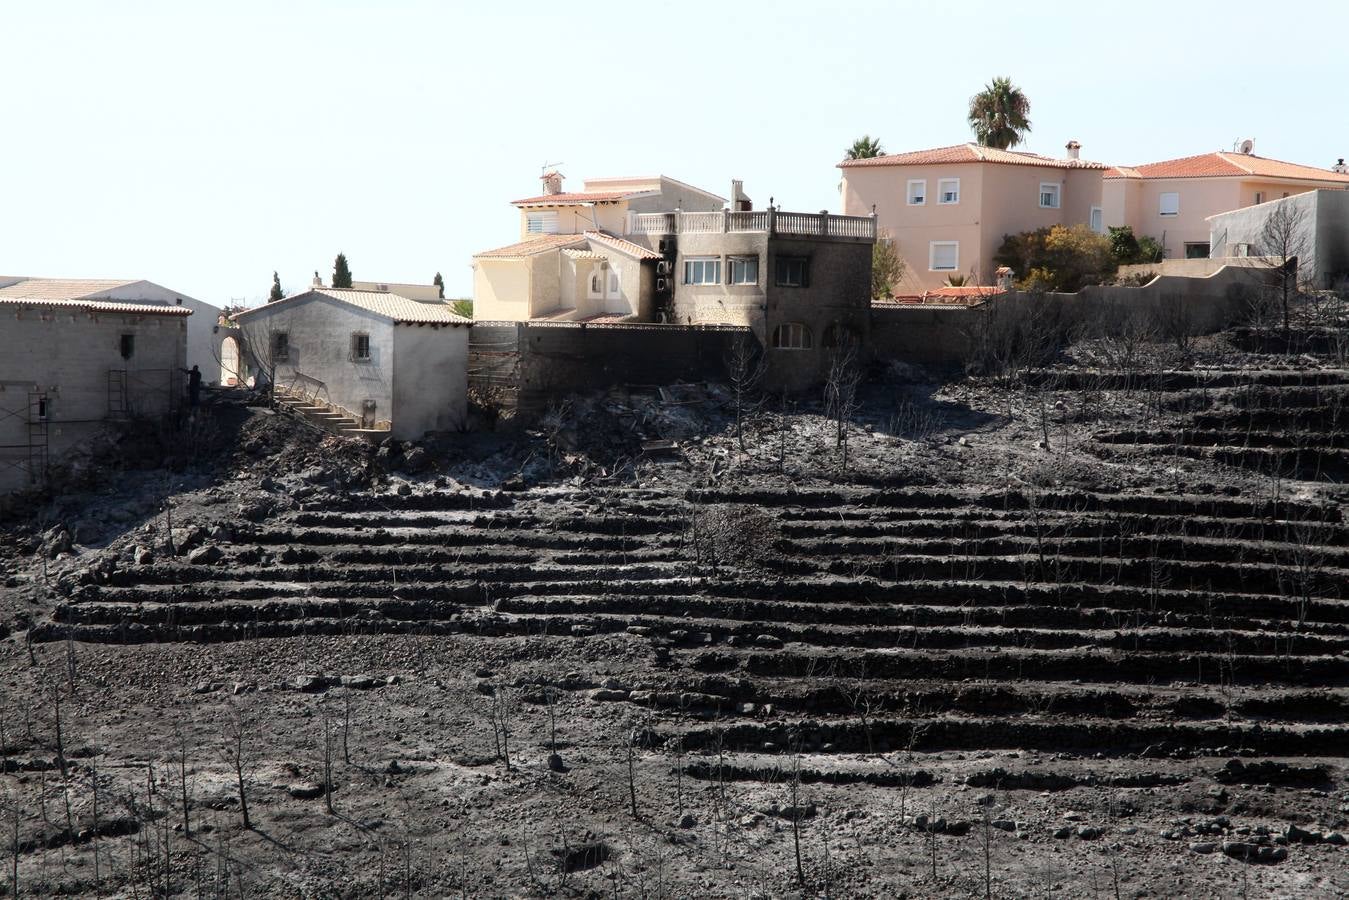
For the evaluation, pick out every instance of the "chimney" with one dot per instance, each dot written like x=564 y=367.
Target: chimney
x=1073 y=149
x=1004 y=277
x=552 y=181
x=1340 y=167
x=318 y=282
x=739 y=201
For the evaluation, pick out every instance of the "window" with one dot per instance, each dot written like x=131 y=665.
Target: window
x=917 y=191
x=702 y=270
x=1097 y=222
x=948 y=190
x=791 y=336
x=613 y=283
x=43 y=409
x=360 y=347
x=1259 y=197
x=1197 y=250
x=1049 y=195
x=1242 y=250
x=280 y=345
x=541 y=223
x=792 y=271
x=128 y=346
x=1169 y=204
x=943 y=256
x=744 y=269
x=596 y=284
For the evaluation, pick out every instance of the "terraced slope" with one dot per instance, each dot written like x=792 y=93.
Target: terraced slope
x=1108 y=623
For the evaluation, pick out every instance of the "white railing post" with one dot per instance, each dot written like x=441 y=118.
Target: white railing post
x=772 y=220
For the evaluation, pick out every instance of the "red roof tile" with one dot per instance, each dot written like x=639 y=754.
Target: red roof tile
x=1227 y=165
x=970 y=153
x=571 y=199
x=622 y=246
x=533 y=246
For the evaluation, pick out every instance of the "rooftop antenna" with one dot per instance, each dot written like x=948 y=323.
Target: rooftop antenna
x=543 y=169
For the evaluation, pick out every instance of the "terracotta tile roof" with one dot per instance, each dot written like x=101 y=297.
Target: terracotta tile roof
x=970 y=153
x=111 y=306
x=622 y=246
x=533 y=246
x=1227 y=165
x=582 y=254
x=61 y=288
x=71 y=293
x=571 y=199
x=381 y=303
x=943 y=296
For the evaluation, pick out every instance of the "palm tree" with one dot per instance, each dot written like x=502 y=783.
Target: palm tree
x=998 y=114
x=865 y=147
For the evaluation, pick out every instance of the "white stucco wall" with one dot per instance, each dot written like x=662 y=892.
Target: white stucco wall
x=201 y=349
x=430 y=379
x=320 y=331
x=69 y=355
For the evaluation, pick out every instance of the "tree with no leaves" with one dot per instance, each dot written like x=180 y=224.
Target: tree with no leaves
x=341 y=272
x=746 y=365
x=999 y=114
x=865 y=147
x=238 y=753
x=1283 y=238
x=841 y=390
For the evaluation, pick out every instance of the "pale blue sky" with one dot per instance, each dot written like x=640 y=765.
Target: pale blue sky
x=202 y=145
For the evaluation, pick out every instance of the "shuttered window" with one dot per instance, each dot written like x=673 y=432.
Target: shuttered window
x=1169 y=204
x=944 y=256
x=541 y=223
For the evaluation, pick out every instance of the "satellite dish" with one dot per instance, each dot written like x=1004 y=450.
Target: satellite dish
x=1248 y=146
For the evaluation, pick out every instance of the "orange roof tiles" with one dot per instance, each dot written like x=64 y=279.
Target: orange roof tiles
x=970 y=153
x=572 y=199
x=533 y=246
x=1227 y=165
x=622 y=246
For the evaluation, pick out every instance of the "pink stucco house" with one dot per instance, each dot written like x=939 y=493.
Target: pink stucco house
x=1172 y=200
x=948 y=209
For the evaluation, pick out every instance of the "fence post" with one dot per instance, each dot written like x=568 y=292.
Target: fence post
x=772 y=220
x=725 y=220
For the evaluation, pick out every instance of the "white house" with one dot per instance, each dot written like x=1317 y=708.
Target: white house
x=69 y=366
x=388 y=361
x=201 y=345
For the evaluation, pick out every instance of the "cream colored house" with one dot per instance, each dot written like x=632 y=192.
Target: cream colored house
x=605 y=204
x=1173 y=200
x=948 y=209
x=571 y=263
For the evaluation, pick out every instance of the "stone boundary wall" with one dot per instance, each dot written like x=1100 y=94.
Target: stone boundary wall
x=545 y=360
x=938 y=335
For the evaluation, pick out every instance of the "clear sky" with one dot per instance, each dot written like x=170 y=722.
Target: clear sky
x=203 y=144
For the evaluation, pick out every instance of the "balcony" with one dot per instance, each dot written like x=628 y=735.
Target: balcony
x=771 y=221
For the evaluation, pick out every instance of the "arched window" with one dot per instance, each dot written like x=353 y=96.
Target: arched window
x=838 y=335
x=791 y=336
x=597 y=284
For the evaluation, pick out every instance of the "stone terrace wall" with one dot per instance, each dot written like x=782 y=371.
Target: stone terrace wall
x=549 y=360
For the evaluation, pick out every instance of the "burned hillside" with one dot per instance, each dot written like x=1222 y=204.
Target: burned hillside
x=1074 y=628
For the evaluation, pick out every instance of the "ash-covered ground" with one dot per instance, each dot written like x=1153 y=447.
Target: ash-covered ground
x=1078 y=630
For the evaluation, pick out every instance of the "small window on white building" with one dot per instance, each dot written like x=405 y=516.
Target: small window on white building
x=360 y=347
x=791 y=336
x=597 y=283
x=744 y=269
x=280 y=346
x=1259 y=197
x=1049 y=195
x=702 y=270
x=1168 y=203
x=944 y=256
x=917 y=191
x=948 y=191
x=614 y=287
x=1097 y=221
x=541 y=223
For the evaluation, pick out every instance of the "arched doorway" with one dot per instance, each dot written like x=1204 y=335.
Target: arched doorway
x=230 y=374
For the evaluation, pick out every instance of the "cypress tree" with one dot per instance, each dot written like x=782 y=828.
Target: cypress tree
x=440 y=285
x=276 y=293
x=341 y=274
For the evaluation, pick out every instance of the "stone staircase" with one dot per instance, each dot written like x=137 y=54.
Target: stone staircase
x=327 y=416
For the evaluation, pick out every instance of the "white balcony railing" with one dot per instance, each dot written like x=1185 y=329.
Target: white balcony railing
x=771 y=221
